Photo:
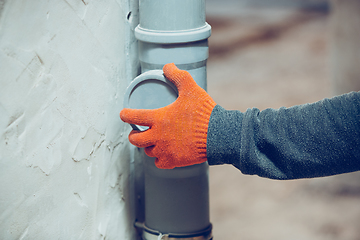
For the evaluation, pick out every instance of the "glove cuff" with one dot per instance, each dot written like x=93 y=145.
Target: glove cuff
x=201 y=128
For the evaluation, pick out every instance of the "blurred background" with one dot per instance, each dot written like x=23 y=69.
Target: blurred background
x=269 y=54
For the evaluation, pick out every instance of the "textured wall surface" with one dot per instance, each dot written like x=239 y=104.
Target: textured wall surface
x=64 y=158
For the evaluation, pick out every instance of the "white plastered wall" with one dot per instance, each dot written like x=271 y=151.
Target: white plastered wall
x=64 y=157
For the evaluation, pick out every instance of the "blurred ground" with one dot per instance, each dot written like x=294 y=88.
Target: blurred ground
x=274 y=57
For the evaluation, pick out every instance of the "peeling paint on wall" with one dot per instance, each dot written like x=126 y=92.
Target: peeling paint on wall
x=64 y=156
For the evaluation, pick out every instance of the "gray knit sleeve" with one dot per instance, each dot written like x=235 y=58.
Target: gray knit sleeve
x=311 y=140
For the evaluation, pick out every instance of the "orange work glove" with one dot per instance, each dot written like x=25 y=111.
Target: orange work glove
x=177 y=133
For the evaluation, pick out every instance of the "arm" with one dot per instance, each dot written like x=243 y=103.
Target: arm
x=310 y=140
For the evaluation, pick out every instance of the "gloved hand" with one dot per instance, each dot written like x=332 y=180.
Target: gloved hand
x=177 y=133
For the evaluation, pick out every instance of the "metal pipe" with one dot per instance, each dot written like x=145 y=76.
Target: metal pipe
x=176 y=200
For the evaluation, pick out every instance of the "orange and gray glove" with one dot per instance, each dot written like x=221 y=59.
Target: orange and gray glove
x=177 y=133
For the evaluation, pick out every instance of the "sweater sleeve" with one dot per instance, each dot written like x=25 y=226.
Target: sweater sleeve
x=305 y=141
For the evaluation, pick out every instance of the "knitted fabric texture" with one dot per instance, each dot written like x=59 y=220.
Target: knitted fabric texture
x=177 y=134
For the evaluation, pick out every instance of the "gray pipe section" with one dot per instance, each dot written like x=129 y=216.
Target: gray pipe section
x=176 y=200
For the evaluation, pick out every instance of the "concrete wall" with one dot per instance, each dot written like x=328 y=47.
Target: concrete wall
x=64 y=158
x=345 y=45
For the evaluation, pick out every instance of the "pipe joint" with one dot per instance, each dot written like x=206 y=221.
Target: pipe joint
x=167 y=37
x=173 y=31
x=151 y=234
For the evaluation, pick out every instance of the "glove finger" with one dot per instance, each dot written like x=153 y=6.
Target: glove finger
x=163 y=164
x=181 y=78
x=150 y=151
x=142 y=139
x=143 y=117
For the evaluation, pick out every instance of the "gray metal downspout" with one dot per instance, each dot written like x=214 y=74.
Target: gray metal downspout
x=176 y=200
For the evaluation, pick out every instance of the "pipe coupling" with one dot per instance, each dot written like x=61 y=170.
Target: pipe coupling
x=172 y=21
x=151 y=234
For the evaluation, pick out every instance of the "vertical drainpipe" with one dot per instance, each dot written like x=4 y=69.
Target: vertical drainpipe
x=176 y=200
